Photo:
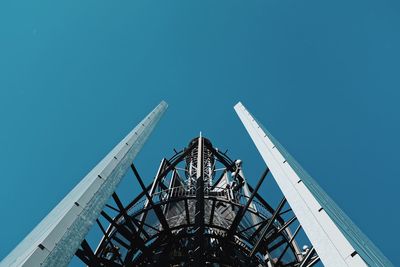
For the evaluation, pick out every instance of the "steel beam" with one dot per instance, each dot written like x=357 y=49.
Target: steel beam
x=268 y=226
x=199 y=211
x=129 y=235
x=108 y=239
x=58 y=236
x=160 y=215
x=243 y=210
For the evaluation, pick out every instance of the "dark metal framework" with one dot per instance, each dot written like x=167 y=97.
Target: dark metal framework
x=198 y=211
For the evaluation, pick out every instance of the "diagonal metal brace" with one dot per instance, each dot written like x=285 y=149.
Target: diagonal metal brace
x=156 y=208
x=268 y=226
x=243 y=210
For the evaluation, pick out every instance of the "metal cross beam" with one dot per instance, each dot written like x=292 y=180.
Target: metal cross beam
x=268 y=226
x=136 y=239
x=156 y=208
x=106 y=236
x=86 y=254
x=243 y=210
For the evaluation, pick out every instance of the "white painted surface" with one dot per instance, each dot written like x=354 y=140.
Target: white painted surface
x=56 y=231
x=331 y=245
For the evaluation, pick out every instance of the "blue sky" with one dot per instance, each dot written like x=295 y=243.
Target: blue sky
x=322 y=76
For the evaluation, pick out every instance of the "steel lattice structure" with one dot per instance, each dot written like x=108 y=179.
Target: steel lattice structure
x=199 y=211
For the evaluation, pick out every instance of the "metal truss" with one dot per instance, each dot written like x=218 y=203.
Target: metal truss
x=198 y=211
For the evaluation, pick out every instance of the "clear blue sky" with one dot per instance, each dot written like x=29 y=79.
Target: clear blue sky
x=322 y=76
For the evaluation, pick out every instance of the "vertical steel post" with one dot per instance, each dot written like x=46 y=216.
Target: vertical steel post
x=199 y=215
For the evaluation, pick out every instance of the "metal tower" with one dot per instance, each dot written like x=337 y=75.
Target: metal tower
x=198 y=211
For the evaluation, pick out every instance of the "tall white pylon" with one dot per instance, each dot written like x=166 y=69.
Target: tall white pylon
x=334 y=236
x=56 y=238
